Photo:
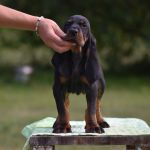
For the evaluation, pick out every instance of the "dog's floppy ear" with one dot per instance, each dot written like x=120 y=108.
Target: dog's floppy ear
x=92 y=60
x=56 y=59
x=62 y=63
x=89 y=47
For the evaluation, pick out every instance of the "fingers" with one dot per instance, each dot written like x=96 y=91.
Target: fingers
x=54 y=38
x=51 y=34
x=58 y=31
x=59 y=49
x=56 y=43
x=56 y=47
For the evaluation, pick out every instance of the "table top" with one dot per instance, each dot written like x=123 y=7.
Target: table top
x=122 y=131
x=38 y=140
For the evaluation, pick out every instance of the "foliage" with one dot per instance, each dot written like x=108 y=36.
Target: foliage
x=120 y=27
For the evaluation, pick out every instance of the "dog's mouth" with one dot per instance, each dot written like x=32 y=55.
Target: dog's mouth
x=75 y=37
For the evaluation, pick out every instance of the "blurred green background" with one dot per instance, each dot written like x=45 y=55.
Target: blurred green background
x=123 y=34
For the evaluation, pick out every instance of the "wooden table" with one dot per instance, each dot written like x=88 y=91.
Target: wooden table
x=137 y=139
x=132 y=142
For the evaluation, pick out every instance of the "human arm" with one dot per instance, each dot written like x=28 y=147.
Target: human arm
x=49 y=31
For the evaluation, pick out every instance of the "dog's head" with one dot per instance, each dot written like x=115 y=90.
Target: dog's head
x=77 y=29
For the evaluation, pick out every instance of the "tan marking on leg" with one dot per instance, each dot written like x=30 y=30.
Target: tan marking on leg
x=63 y=121
x=90 y=119
x=67 y=102
x=98 y=112
x=63 y=79
x=84 y=80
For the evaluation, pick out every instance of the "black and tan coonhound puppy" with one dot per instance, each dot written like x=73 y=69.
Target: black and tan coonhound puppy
x=78 y=71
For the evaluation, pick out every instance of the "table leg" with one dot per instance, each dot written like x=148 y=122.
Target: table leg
x=133 y=147
x=43 y=148
x=145 y=147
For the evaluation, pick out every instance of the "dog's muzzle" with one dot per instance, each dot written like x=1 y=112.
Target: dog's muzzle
x=75 y=36
x=73 y=33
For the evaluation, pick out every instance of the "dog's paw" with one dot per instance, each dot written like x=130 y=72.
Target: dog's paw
x=94 y=129
x=59 y=130
x=104 y=124
x=62 y=128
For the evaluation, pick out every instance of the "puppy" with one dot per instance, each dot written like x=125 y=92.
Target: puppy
x=78 y=71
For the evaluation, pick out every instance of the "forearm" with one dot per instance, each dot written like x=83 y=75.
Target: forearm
x=47 y=29
x=10 y=18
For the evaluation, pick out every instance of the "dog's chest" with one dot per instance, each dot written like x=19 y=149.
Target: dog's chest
x=75 y=84
x=72 y=66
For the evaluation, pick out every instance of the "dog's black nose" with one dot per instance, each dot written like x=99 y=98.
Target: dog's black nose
x=73 y=32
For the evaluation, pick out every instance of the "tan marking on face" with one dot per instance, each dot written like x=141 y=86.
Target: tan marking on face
x=80 y=39
x=76 y=48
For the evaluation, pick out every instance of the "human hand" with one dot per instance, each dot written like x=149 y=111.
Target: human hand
x=51 y=35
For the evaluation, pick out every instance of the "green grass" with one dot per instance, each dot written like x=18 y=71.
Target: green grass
x=23 y=104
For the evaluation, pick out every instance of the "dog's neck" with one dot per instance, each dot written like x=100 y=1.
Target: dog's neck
x=79 y=54
x=76 y=60
x=76 y=48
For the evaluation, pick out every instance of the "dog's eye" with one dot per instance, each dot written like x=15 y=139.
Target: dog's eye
x=69 y=22
x=82 y=24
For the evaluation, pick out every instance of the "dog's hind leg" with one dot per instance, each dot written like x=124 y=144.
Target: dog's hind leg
x=102 y=123
x=100 y=120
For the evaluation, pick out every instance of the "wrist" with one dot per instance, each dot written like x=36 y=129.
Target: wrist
x=31 y=22
x=37 y=24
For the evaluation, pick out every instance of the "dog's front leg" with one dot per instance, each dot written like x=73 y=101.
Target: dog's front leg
x=61 y=124
x=90 y=116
